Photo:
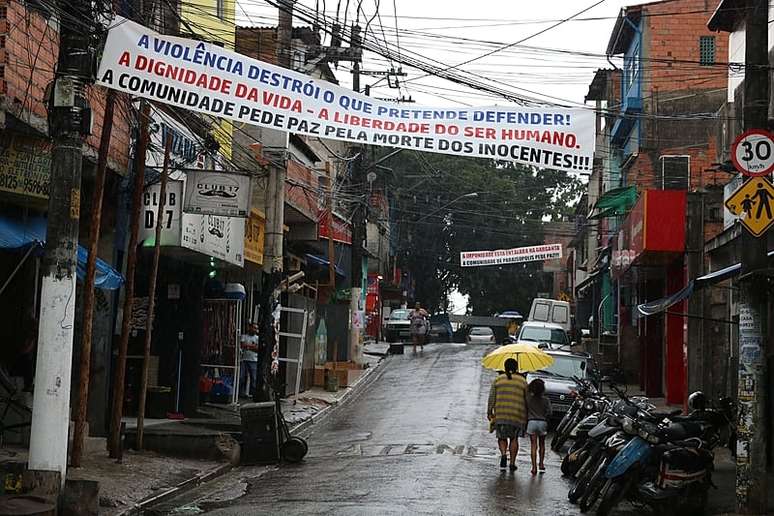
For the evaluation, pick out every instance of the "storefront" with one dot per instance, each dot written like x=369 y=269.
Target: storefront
x=648 y=263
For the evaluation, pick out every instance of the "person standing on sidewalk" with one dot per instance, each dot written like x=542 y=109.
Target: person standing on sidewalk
x=538 y=412
x=508 y=407
x=418 y=319
x=250 y=348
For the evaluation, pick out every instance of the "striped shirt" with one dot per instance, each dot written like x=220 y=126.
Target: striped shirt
x=508 y=400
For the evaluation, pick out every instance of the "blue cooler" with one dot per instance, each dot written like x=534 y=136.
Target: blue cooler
x=235 y=291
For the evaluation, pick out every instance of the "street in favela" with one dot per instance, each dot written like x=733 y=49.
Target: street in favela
x=386 y=257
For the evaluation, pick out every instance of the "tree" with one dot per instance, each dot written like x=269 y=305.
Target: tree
x=437 y=217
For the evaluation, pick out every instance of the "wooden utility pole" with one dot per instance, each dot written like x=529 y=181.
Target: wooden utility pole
x=119 y=377
x=82 y=403
x=152 y=294
x=69 y=121
x=751 y=478
x=331 y=244
x=275 y=213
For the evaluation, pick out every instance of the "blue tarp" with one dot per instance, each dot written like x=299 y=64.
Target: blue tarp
x=322 y=262
x=17 y=234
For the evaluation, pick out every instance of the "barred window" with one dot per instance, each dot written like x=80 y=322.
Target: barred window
x=706 y=50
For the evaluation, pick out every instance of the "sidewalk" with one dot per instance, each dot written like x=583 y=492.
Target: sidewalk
x=148 y=475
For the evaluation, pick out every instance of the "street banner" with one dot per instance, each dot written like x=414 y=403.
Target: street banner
x=534 y=253
x=217 y=193
x=209 y=79
x=255 y=233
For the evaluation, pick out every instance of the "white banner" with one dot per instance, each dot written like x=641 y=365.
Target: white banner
x=209 y=79
x=217 y=193
x=221 y=237
x=534 y=253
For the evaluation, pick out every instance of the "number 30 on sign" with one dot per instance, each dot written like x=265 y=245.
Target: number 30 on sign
x=753 y=153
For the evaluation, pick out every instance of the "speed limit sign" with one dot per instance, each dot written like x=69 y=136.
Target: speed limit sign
x=753 y=153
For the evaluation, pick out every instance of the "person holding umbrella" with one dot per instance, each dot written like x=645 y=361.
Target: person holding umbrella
x=507 y=404
x=508 y=407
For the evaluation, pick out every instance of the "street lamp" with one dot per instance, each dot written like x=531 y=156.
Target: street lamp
x=471 y=194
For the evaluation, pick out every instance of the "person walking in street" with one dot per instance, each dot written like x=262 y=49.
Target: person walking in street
x=538 y=412
x=418 y=319
x=250 y=348
x=508 y=407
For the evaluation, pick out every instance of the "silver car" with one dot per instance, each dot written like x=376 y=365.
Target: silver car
x=481 y=335
x=398 y=326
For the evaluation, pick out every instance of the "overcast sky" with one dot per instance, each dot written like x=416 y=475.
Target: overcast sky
x=547 y=66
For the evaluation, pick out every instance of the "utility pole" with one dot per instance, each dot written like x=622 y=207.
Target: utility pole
x=69 y=121
x=331 y=244
x=275 y=213
x=119 y=378
x=84 y=374
x=358 y=224
x=152 y=294
x=751 y=485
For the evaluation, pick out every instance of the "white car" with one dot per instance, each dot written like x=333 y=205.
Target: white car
x=481 y=335
x=543 y=334
x=398 y=326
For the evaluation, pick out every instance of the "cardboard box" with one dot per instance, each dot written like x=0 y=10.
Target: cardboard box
x=346 y=372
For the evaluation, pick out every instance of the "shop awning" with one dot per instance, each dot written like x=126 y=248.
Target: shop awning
x=707 y=280
x=615 y=202
x=18 y=234
x=322 y=262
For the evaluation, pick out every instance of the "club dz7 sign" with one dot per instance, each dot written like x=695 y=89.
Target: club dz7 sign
x=753 y=153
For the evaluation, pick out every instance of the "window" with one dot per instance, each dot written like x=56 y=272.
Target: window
x=675 y=173
x=220 y=9
x=541 y=311
x=707 y=50
x=560 y=314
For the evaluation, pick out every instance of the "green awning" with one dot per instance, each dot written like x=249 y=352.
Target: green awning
x=615 y=202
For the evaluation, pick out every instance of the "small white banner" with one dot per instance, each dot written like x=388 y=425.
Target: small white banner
x=221 y=237
x=534 y=253
x=217 y=193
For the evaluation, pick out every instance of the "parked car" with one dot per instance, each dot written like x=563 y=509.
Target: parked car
x=545 y=335
x=398 y=325
x=481 y=335
x=558 y=378
x=551 y=311
x=440 y=328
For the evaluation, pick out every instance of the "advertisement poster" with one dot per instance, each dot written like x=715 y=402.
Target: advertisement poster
x=221 y=237
x=209 y=79
x=535 y=253
x=25 y=166
x=255 y=231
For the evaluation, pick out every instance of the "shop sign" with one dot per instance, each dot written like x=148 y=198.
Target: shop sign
x=536 y=253
x=342 y=230
x=25 y=166
x=220 y=237
x=217 y=193
x=186 y=151
x=171 y=218
x=255 y=231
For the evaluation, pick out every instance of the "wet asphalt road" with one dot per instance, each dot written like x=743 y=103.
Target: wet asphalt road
x=413 y=441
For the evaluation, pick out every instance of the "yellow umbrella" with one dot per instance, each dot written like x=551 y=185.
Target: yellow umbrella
x=530 y=358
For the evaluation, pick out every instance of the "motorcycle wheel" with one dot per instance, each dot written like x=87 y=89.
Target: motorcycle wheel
x=558 y=441
x=573 y=461
x=614 y=493
x=582 y=480
x=594 y=488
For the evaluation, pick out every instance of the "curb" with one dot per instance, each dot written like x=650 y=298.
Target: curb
x=184 y=486
x=213 y=473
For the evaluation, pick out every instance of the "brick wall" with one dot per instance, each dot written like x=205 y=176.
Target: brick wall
x=29 y=46
x=674 y=29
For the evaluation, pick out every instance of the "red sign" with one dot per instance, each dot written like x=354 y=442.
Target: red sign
x=753 y=153
x=342 y=230
x=653 y=231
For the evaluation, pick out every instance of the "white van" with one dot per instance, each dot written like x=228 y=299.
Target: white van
x=551 y=311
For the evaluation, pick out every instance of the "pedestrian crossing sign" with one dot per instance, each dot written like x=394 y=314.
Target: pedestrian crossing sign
x=753 y=203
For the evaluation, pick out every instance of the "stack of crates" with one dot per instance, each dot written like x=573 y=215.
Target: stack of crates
x=259 y=433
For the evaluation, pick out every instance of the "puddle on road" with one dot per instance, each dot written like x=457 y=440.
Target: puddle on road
x=185 y=510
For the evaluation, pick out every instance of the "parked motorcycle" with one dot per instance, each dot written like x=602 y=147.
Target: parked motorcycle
x=667 y=464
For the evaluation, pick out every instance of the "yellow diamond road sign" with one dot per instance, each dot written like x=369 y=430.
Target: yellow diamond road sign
x=753 y=203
